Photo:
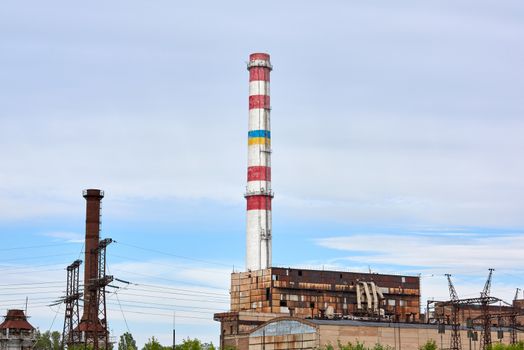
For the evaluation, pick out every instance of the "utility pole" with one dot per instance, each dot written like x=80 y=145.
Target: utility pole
x=174 y=331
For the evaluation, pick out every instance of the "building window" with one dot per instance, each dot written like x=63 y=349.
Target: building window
x=268 y=293
x=312 y=305
x=300 y=272
x=403 y=279
x=283 y=303
x=275 y=278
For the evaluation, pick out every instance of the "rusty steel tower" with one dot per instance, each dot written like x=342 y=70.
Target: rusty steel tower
x=93 y=325
x=71 y=335
x=258 y=192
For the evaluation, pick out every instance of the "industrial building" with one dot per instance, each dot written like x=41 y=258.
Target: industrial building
x=471 y=313
x=289 y=308
x=296 y=333
x=16 y=333
x=263 y=292
x=260 y=296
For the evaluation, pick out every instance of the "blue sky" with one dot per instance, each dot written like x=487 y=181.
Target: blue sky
x=396 y=129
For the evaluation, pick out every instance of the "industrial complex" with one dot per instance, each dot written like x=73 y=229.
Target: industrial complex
x=281 y=307
x=287 y=308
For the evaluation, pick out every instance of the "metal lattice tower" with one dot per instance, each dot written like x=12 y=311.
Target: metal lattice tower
x=452 y=292
x=455 y=343
x=486 y=318
x=99 y=333
x=71 y=335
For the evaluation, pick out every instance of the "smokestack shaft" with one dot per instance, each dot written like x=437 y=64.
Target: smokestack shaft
x=93 y=200
x=259 y=194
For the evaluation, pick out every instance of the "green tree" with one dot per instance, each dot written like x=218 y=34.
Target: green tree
x=194 y=344
x=56 y=339
x=153 y=344
x=430 y=345
x=127 y=342
x=43 y=341
x=47 y=340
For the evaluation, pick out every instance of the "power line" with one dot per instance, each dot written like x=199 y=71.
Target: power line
x=172 y=265
x=179 y=289
x=122 y=310
x=173 y=298
x=35 y=246
x=30 y=283
x=23 y=299
x=16 y=273
x=203 y=294
x=167 y=279
x=164 y=315
x=170 y=316
x=39 y=292
x=36 y=257
x=19 y=267
x=168 y=305
x=173 y=255
x=29 y=287
x=160 y=308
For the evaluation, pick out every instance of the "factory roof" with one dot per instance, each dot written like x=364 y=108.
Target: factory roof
x=16 y=319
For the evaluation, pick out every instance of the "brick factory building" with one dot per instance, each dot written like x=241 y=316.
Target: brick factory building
x=440 y=311
x=259 y=296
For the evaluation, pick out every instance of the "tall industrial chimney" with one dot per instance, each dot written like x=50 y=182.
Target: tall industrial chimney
x=90 y=315
x=258 y=193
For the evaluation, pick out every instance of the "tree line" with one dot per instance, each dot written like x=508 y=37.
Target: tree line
x=52 y=341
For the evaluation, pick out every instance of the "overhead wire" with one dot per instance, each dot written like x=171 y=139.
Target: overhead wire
x=178 y=289
x=173 y=255
x=45 y=270
x=160 y=308
x=34 y=246
x=171 y=265
x=167 y=279
x=122 y=311
x=19 y=267
x=162 y=304
x=36 y=257
x=203 y=294
x=175 y=298
x=30 y=283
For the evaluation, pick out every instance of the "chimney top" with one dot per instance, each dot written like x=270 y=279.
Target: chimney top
x=93 y=193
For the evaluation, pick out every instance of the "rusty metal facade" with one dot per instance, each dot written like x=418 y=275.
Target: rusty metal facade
x=259 y=296
x=316 y=293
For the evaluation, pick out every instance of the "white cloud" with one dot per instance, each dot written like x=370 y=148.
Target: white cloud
x=454 y=251
x=66 y=236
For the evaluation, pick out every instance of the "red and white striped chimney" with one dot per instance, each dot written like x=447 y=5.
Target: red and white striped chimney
x=258 y=193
